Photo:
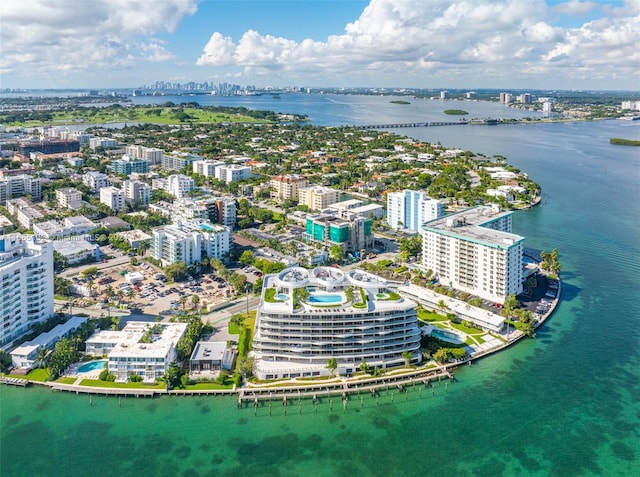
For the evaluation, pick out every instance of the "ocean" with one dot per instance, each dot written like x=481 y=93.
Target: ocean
x=563 y=404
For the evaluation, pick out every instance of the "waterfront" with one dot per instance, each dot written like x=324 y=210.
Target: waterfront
x=563 y=404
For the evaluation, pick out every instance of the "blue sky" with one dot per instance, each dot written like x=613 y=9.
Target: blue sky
x=564 y=44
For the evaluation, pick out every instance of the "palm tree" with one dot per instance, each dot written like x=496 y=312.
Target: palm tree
x=183 y=301
x=407 y=356
x=42 y=356
x=442 y=305
x=195 y=299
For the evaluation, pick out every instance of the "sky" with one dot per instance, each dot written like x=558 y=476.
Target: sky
x=532 y=44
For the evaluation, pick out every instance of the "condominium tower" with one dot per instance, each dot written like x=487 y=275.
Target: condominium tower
x=474 y=251
x=410 y=209
x=26 y=274
x=306 y=317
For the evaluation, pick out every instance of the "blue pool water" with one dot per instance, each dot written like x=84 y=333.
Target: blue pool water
x=92 y=366
x=526 y=259
x=446 y=335
x=282 y=296
x=325 y=299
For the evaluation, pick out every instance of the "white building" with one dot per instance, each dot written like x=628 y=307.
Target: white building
x=350 y=316
x=318 y=197
x=103 y=142
x=186 y=241
x=151 y=154
x=95 y=180
x=180 y=185
x=76 y=251
x=136 y=192
x=112 y=197
x=233 y=172
x=19 y=185
x=69 y=198
x=474 y=251
x=24 y=356
x=409 y=209
x=141 y=348
x=26 y=275
x=176 y=161
x=207 y=167
x=24 y=211
x=286 y=186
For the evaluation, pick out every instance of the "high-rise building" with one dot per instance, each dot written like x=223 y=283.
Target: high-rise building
x=351 y=232
x=286 y=187
x=95 y=180
x=112 y=197
x=18 y=186
x=232 y=172
x=474 y=251
x=318 y=197
x=220 y=210
x=26 y=274
x=151 y=154
x=136 y=192
x=410 y=209
x=306 y=317
x=69 y=197
x=127 y=165
x=186 y=241
x=206 y=167
x=179 y=185
x=176 y=161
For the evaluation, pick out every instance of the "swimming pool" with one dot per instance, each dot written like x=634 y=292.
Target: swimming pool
x=529 y=260
x=445 y=335
x=325 y=299
x=92 y=366
x=281 y=296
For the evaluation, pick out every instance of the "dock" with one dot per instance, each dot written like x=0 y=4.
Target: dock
x=14 y=381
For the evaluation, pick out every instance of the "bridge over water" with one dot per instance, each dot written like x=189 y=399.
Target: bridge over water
x=413 y=125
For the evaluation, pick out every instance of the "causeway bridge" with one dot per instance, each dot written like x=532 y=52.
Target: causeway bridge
x=413 y=125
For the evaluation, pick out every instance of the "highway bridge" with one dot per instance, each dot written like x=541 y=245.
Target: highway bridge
x=411 y=125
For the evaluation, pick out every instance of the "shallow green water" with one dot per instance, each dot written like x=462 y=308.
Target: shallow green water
x=564 y=404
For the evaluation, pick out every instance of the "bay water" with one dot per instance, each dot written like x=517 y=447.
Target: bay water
x=563 y=404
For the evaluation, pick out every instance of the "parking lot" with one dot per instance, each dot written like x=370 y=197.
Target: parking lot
x=151 y=293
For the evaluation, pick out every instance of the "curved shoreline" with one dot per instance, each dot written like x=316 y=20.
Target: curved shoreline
x=282 y=390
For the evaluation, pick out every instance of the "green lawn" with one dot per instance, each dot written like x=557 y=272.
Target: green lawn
x=110 y=384
x=430 y=316
x=66 y=380
x=466 y=329
x=38 y=374
x=202 y=386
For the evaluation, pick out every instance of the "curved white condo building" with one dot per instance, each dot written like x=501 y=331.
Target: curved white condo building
x=307 y=317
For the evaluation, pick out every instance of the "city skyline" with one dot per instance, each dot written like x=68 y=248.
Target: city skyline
x=414 y=44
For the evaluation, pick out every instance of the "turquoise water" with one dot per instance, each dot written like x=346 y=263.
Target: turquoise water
x=91 y=366
x=282 y=296
x=324 y=299
x=445 y=335
x=564 y=404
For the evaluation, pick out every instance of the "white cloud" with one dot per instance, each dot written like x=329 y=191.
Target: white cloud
x=85 y=35
x=500 y=39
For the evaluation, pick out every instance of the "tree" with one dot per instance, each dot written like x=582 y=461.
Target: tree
x=195 y=299
x=336 y=253
x=410 y=247
x=407 y=356
x=511 y=304
x=247 y=257
x=172 y=376
x=183 y=301
x=364 y=367
x=442 y=305
x=90 y=272
x=176 y=271
x=332 y=365
x=42 y=356
x=244 y=366
x=61 y=286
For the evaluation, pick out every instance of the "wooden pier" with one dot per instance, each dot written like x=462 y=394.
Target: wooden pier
x=14 y=381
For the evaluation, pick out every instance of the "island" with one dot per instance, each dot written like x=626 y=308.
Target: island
x=460 y=112
x=399 y=101
x=624 y=142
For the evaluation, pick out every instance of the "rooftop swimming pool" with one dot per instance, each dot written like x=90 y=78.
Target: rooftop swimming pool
x=92 y=366
x=325 y=299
